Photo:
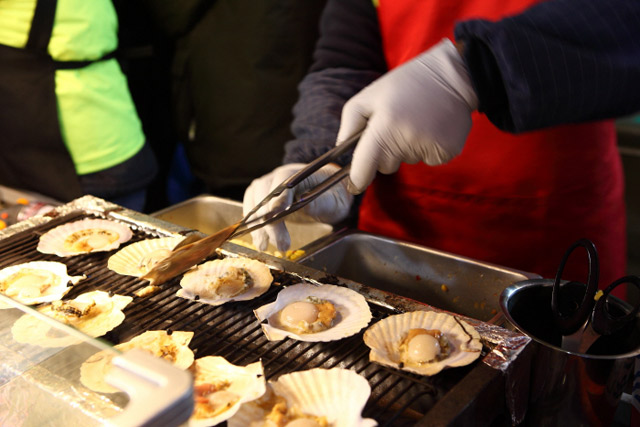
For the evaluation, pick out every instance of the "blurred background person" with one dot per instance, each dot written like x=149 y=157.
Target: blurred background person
x=68 y=123
x=235 y=69
x=463 y=136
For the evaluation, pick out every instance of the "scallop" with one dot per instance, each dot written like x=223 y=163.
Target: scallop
x=314 y=313
x=220 y=388
x=94 y=313
x=137 y=259
x=423 y=342
x=36 y=282
x=84 y=236
x=173 y=347
x=315 y=397
x=230 y=279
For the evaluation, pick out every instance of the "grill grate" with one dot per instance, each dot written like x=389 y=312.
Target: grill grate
x=232 y=331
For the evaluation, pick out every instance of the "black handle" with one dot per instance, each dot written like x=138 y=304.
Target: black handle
x=603 y=321
x=568 y=324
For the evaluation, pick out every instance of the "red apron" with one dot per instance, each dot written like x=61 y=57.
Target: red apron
x=513 y=200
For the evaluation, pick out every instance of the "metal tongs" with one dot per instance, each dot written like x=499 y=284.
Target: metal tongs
x=189 y=253
x=591 y=318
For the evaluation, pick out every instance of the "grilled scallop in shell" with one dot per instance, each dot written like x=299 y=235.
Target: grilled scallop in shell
x=220 y=388
x=172 y=347
x=314 y=313
x=315 y=397
x=137 y=259
x=423 y=342
x=84 y=236
x=230 y=279
x=36 y=282
x=94 y=313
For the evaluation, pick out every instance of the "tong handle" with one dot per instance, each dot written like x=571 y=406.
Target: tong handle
x=327 y=157
x=304 y=173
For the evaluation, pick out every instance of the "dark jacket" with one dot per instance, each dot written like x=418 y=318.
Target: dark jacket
x=236 y=69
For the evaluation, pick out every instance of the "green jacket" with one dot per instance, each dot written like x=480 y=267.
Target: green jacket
x=98 y=120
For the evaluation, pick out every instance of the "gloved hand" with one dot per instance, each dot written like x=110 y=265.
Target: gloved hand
x=330 y=207
x=420 y=111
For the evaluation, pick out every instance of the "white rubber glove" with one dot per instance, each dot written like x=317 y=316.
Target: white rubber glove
x=331 y=207
x=420 y=111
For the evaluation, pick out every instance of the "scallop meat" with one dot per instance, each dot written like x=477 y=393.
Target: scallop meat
x=423 y=342
x=307 y=312
x=36 y=282
x=84 y=236
x=229 y=279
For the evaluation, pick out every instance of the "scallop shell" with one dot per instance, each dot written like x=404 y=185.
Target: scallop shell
x=172 y=347
x=247 y=383
x=103 y=317
x=200 y=283
x=385 y=336
x=138 y=258
x=84 y=236
x=36 y=282
x=353 y=312
x=339 y=395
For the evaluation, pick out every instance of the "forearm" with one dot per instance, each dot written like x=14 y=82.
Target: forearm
x=348 y=56
x=563 y=61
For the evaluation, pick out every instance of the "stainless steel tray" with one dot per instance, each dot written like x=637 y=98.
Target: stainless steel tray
x=447 y=281
x=209 y=214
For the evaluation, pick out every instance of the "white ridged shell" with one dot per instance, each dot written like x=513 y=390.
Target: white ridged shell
x=353 y=312
x=99 y=234
x=51 y=273
x=247 y=382
x=94 y=369
x=337 y=394
x=199 y=281
x=138 y=258
x=385 y=336
x=108 y=314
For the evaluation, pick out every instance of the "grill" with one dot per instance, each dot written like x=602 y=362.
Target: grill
x=232 y=331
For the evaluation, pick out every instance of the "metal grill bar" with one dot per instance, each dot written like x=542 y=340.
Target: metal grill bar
x=232 y=331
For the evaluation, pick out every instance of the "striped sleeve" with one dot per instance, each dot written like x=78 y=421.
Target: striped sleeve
x=348 y=56
x=562 y=61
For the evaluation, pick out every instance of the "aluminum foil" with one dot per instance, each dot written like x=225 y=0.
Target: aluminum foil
x=91 y=204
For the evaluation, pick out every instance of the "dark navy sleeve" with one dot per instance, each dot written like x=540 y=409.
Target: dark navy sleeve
x=348 y=56
x=562 y=61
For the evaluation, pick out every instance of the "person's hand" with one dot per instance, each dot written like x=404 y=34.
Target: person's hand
x=330 y=207
x=420 y=111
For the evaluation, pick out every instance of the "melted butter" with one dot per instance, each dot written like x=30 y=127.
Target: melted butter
x=234 y=282
x=28 y=283
x=90 y=239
